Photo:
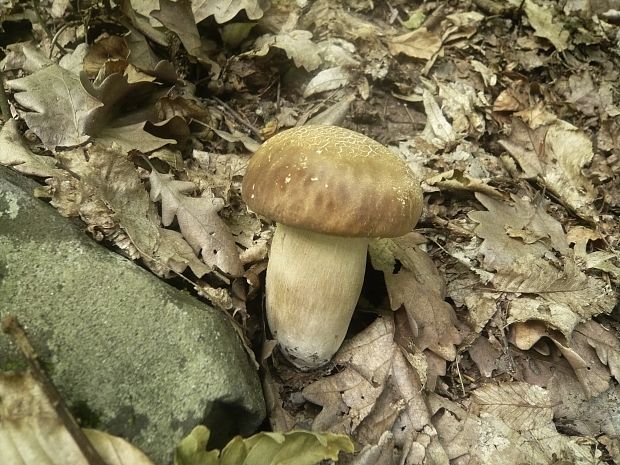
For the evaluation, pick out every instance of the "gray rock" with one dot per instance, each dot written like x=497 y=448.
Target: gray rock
x=131 y=354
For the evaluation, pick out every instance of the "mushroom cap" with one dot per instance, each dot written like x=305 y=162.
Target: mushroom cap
x=332 y=180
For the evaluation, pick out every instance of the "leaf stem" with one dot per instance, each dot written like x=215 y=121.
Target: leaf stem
x=11 y=326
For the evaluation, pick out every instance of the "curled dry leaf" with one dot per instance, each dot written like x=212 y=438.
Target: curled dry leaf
x=113 y=178
x=297 y=45
x=223 y=12
x=590 y=348
x=179 y=18
x=546 y=26
x=32 y=434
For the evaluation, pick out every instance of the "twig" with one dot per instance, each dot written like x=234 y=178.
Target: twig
x=37 y=12
x=239 y=118
x=11 y=326
x=57 y=36
x=5 y=110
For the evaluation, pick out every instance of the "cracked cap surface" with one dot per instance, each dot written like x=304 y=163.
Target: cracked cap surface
x=332 y=180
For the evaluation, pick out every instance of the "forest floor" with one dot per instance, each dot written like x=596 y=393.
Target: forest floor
x=486 y=336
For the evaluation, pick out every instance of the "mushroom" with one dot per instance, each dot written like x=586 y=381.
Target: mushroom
x=329 y=190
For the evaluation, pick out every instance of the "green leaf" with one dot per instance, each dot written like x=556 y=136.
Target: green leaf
x=193 y=449
x=294 y=448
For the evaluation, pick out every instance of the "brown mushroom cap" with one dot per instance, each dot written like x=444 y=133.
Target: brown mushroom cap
x=332 y=180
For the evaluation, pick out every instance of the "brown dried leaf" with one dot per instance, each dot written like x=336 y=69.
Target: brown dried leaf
x=593 y=376
x=457 y=180
x=13 y=152
x=605 y=343
x=174 y=255
x=131 y=137
x=112 y=178
x=546 y=26
x=179 y=18
x=420 y=288
x=60 y=106
x=556 y=152
x=565 y=296
x=420 y=43
x=198 y=220
x=503 y=223
x=521 y=406
x=297 y=44
x=499 y=432
x=485 y=356
x=378 y=391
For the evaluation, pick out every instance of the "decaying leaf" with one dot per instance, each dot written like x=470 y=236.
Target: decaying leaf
x=178 y=17
x=514 y=230
x=198 y=220
x=420 y=43
x=457 y=180
x=174 y=254
x=132 y=137
x=519 y=240
x=418 y=286
x=32 y=433
x=438 y=131
x=223 y=12
x=293 y=448
x=557 y=153
x=59 y=106
x=512 y=424
x=377 y=391
x=297 y=45
x=460 y=103
x=13 y=152
x=565 y=295
x=546 y=26
x=113 y=178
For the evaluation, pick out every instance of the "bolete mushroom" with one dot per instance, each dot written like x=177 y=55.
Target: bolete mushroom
x=329 y=189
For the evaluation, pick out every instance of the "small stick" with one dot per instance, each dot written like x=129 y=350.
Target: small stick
x=239 y=118
x=5 y=110
x=11 y=326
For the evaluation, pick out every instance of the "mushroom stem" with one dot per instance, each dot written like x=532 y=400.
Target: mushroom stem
x=313 y=284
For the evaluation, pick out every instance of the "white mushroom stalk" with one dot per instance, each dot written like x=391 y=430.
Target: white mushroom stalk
x=313 y=284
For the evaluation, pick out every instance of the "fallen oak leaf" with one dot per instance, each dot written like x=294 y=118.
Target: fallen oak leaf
x=61 y=107
x=174 y=255
x=561 y=296
x=419 y=287
x=198 y=220
x=110 y=177
x=556 y=152
x=14 y=153
x=377 y=391
x=223 y=12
